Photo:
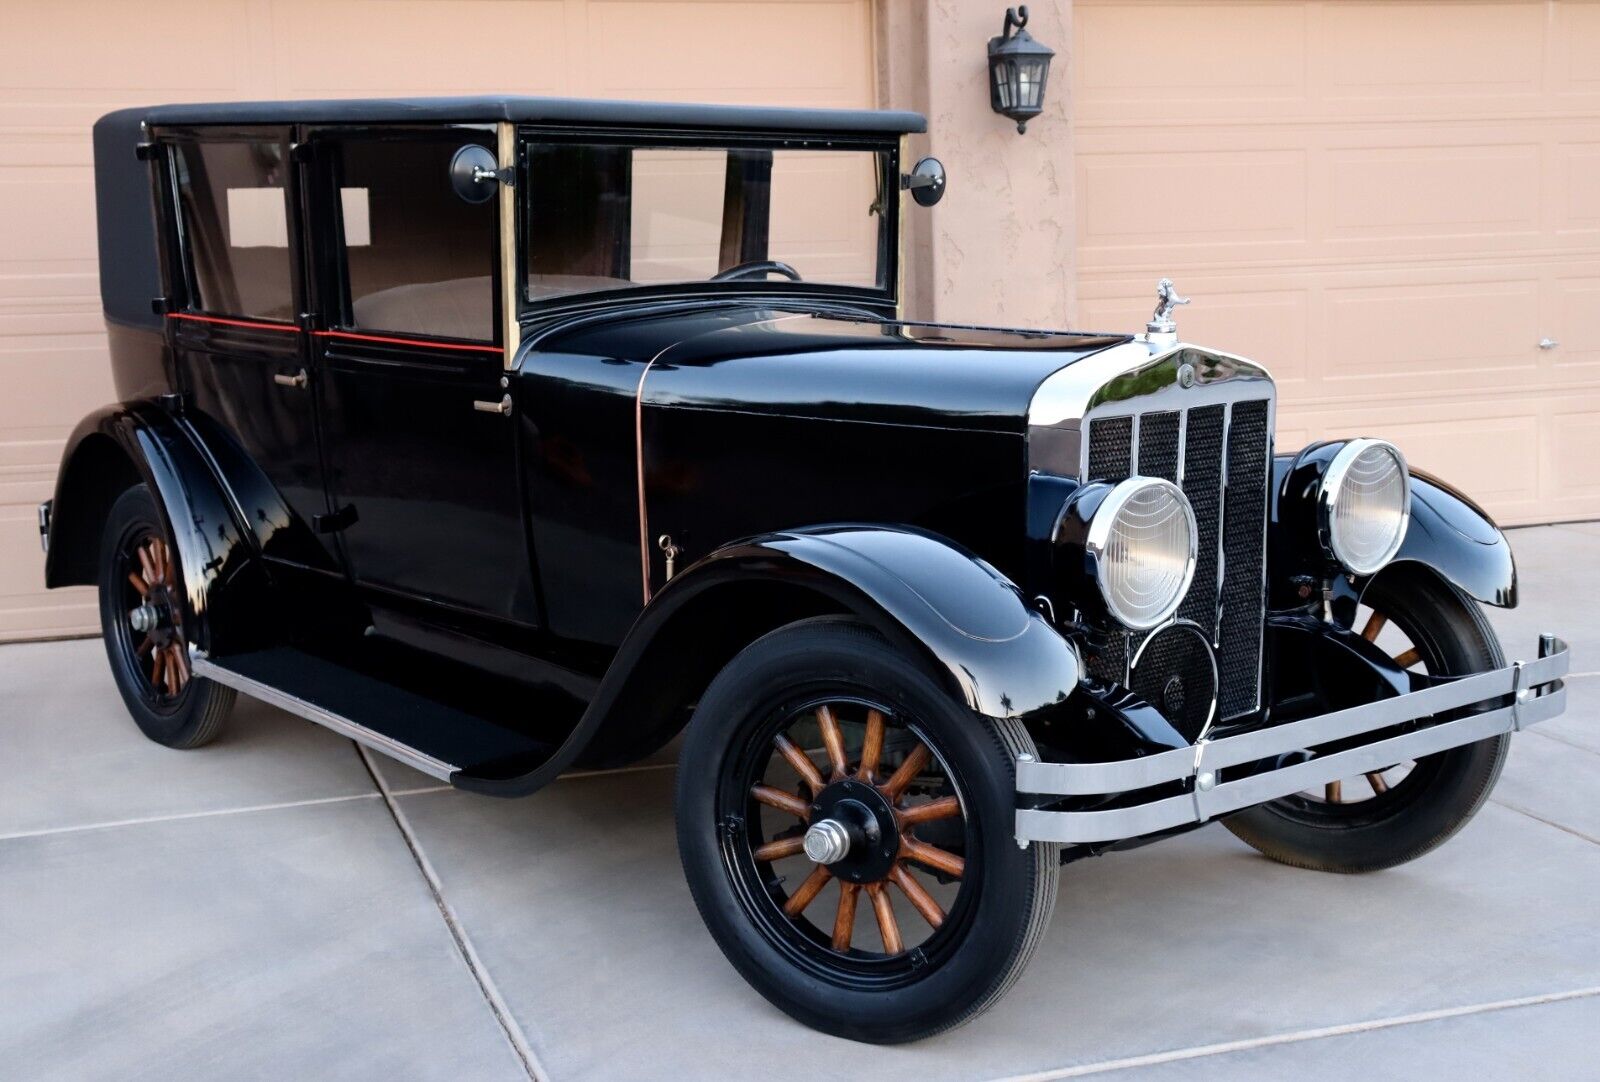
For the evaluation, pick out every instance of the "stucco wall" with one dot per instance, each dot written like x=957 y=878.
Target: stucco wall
x=1000 y=247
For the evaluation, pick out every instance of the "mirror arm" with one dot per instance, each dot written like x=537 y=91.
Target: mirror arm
x=506 y=176
x=911 y=181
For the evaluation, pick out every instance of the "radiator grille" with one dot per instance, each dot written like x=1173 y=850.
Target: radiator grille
x=1224 y=451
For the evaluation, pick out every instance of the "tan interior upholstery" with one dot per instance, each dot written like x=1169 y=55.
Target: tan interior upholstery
x=460 y=307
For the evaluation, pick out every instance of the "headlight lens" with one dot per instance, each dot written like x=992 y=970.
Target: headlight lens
x=1142 y=546
x=1365 y=505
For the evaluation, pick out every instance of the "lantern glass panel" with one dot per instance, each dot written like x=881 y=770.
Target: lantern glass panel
x=1030 y=83
x=1004 y=73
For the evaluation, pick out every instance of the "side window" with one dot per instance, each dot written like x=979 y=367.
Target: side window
x=417 y=258
x=233 y=199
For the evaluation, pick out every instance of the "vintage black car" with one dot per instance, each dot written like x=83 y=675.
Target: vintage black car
x=509 y=435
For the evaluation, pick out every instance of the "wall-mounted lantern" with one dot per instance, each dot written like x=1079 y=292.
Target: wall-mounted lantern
x=1018 y=68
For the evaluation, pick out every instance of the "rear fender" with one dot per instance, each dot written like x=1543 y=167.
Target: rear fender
x=134 y=442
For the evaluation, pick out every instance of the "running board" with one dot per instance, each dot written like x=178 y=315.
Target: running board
x=426 y=735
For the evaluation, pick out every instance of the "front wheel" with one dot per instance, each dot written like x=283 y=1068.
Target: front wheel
x=1396 y=814
x=847 y=831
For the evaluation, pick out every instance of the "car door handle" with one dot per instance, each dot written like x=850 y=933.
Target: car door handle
x=284 y=380
x=503 y=406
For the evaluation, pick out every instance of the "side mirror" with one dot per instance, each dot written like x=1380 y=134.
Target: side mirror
x=925 y=182
x=474 y=173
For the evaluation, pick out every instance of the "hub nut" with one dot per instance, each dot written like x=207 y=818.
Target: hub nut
x=145 y=618
x=827 y=841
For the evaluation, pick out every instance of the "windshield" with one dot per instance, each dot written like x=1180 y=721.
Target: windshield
x=606 y=216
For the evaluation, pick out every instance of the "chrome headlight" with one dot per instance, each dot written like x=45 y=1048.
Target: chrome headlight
x=1364 y=505
x=1141 y=551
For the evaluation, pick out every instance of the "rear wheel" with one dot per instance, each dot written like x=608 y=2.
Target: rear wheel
x=847 y=833
x=145 y=620
x=1396 y=814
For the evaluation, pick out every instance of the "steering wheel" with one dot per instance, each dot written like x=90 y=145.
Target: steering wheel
x=756 y=268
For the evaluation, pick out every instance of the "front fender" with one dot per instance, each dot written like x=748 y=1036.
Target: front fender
x=933 y=598
x=135 y=442
x=1449 y=534
x=1001 y=657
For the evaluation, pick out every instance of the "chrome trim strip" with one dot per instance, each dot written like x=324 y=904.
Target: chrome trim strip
x=1538 y=693
x=204 y=666
x=1222 y=528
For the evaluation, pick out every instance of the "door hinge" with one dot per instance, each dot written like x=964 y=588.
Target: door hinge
x=334 y=521
x=146 y=152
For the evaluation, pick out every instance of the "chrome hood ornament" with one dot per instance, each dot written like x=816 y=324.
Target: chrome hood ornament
x=1161 y=326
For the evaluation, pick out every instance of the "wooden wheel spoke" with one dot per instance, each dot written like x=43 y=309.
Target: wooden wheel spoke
x=946 y=807
x=888 y=927
x=147 y=564
x=145 y=647
x=780 y=848
x=931 y=856
x=832 y=739
x=1408 y=658
x=158 y=667
x=1333 y=792
x=180 y=658
x=172 y=672
x=807 y=892
x=166 y=564
x=924 y=902
x=1375 y=624
x=139 y=584
x=1375 y=779
x=844 y=921
x=871 y=746
x=900 y=779
x=777 y=798
x=801 y=762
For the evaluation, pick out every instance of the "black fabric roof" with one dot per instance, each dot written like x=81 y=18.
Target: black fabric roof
x=649 y=114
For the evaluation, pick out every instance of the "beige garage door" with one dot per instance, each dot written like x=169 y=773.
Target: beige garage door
x=1389 y=204
x=64 y=64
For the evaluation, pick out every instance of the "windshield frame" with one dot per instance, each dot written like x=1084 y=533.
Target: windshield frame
x=887 y=146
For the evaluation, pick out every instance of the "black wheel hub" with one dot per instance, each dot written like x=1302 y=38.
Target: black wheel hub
x=870 y=821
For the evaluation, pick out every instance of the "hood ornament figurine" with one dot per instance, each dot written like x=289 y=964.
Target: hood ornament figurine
x=1162 y=328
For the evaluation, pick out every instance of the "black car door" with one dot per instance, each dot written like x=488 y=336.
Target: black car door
x=235 y=325
x=420 y=439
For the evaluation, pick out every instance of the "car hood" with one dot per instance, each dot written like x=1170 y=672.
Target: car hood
x=804 y=363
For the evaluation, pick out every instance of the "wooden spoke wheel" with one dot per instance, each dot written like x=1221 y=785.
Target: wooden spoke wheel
x=847 y=829
x=147 y=625
x=1376 y=627
x=153 y=600
x=851 y=803
x=1395 y=814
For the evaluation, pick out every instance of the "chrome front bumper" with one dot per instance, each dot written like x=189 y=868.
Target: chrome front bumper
x=1535 y=689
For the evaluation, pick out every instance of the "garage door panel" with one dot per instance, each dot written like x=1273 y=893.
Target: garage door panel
x=747 y=57
x=1578 y=326
x=109 y=45
x=1396 y=193
x=1395 y=51
x=1574 y=444
x=1204 y=58
x=1575 y=42
x=1445 y=219
x=474 y=46
x=1375 y=332
x=1577 y=172
x=1252 y=197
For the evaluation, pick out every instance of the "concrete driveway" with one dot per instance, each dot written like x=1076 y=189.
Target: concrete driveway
x=277 y=905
